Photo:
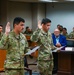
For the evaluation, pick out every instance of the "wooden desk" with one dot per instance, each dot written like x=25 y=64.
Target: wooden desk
x=71 y=39
x=66 y=63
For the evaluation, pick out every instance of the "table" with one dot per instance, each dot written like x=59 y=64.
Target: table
x=65 y=63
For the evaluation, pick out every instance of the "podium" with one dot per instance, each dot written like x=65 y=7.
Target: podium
x=65 y=63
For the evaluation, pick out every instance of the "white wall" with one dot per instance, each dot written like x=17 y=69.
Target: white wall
x=31 y=12
x=3 y=12
x=20 y=9
x=38 y=13
x=34 y=15
x=61 y=13
x=41 y=11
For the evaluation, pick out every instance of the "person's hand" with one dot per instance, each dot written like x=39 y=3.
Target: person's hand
x=23 y=55
x=39 y=24
x=58 y=45
x=32 y=54
x=7 y=29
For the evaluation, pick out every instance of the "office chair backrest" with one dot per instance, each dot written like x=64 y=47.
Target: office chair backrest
x=2 y=59
x=70 y=43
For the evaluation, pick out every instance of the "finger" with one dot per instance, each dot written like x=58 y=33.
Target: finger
x=39 y=22
x=8 y=23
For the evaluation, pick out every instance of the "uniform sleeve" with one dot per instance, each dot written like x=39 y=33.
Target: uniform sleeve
x=26 y=46
x=52 y=45
x=35 y=36
x=71 y=35
x=3 y=42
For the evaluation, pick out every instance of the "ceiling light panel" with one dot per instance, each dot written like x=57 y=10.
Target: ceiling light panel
x=48 y=0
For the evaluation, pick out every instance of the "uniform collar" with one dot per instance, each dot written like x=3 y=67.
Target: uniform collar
x=1 y=33
x=45 y=33
x=15 y=35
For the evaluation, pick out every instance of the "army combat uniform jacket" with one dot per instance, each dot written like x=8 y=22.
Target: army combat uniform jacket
x=45 y=57
x=71 y=35
x=44 y=40
x=16 y=46
x=1 y=34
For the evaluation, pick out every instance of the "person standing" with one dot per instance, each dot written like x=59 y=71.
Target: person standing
x=1 y=33
x=43 y=38
x=16 y=45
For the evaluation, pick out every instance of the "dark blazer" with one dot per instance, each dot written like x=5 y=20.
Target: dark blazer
x=62 y=40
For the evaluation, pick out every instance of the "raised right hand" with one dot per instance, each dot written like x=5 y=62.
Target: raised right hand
x=7 y=29
x=39 y=24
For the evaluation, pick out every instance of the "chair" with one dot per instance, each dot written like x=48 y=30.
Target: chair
x=70 y=42
x=2 y=59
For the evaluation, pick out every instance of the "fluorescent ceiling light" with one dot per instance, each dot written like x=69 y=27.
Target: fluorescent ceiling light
x=48 y=0
x=69 y=0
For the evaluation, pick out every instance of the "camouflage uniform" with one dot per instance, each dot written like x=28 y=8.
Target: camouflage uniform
x=71 y=35
x=28 y=33
x=66 y=35
x=1 y=34
x=45 y=57
x=16 y=46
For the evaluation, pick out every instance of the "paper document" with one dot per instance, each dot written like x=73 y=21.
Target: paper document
x=57 y=49
x=33 y=50
x=68 y=49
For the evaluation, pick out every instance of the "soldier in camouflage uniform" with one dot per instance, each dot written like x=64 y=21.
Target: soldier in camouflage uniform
x=1 y=33
x=28 y=31
x=43 y=38
x=71 y=35
x=16 y=45
x=64 y=32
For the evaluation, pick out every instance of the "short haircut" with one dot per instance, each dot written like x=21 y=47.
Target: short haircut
x=58 y=25
x=61 y=26
x=1 y=25
x=17 y=20
x=65 y=28
x=27 y=27
x=45 y=21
